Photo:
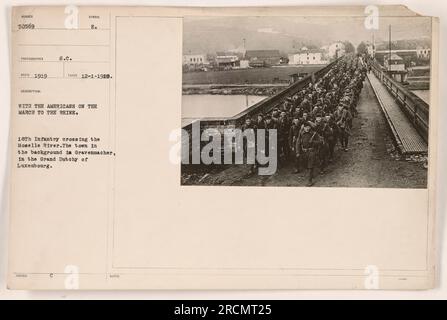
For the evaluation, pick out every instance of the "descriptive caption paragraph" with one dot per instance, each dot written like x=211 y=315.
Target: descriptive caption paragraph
x=45 y=152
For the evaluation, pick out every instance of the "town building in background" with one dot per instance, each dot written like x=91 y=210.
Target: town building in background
x=334 y=50
x=227 y=60
x=307 y=56
x=394 y=63
x=395 y=67
x=423 y=53
x=195 y=59
x=263 y=58
x=195 y=62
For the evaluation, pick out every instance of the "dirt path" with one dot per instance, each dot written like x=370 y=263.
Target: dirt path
x=371 y=160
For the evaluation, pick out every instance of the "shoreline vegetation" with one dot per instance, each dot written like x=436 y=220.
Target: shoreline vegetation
x=251 y=90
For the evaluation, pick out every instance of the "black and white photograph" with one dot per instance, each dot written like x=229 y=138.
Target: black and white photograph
x=306 y=101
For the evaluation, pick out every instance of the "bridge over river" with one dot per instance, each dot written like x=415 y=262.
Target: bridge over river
x=387 y=148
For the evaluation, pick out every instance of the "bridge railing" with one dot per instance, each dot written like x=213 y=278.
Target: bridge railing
x=416 y=109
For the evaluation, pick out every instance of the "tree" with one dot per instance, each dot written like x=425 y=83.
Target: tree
x=361 y=48
x=349 y=47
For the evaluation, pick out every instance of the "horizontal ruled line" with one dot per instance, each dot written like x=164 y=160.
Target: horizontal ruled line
x=59 y=78
x=40 y=61
x=64 y=29
x=62 y=45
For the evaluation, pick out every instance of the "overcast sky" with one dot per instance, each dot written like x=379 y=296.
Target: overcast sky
x=283 y=33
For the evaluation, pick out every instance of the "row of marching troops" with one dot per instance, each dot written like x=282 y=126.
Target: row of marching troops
x=311 y=123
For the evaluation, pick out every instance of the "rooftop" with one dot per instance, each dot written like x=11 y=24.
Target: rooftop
x=395 y=57
x=226 y=54
x=309 y=51
x=225 y=59
x=262 y=53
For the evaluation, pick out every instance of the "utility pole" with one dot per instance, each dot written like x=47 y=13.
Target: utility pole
x=245 y=50
x=373 y=48
x=389 y=58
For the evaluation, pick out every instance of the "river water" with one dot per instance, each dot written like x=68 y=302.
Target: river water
x=196 y=106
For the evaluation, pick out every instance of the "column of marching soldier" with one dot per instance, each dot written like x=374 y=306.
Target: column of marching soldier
x=314 y=120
